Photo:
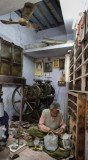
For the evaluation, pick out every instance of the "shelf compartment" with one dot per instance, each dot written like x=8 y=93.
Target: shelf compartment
x=73 y=106
x=71 y=77
x=71 y=74
x=77 y=84
x=78 y=73
x=78 y=63
x=85 y=62
x=86 y=81
x=72 y=114
x=79 y=57
x=78 y=68
x=72 y=98
x=73 y=93
x=78 y=52
x=87 y=68
x=71 y=85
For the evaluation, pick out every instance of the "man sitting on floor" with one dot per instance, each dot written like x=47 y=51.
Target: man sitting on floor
x=51 y=121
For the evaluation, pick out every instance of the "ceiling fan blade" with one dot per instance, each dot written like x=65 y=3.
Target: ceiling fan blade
x=52 y=41
x=33 y=26
x=9 y=22
x=28 y=10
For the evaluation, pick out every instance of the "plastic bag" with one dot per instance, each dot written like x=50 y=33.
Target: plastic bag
x=67 y=142
x=51 y=142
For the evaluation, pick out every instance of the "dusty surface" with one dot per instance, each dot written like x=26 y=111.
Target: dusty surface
x=33 y=155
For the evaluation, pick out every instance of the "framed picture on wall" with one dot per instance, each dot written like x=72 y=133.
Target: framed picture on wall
x=39 y=70
x=61 y=63
x=48 y=67
x=56 y=63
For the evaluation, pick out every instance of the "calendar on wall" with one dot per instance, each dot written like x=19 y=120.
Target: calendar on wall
x=56 y=63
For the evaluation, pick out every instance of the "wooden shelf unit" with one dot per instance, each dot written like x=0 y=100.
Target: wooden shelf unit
x=78 y=90
x=79 y=68
x=76 y=112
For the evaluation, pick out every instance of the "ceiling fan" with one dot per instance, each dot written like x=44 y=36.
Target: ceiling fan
x=27 y=12
x=50 y=41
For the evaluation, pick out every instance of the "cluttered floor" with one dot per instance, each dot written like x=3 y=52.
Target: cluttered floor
x=18 y=135
x=27 y=151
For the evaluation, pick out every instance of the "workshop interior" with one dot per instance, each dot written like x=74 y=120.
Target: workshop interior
x=43 y=63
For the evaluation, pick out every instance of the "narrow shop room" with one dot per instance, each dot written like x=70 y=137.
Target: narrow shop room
x=44 y=80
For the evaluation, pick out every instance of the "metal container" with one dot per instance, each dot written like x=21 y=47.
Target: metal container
x=5 y=67
x=16 y=70
x=17 y=54
x=5 y=49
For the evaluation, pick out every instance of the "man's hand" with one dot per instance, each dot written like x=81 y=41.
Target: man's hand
x=51 y=131
x=59 y=131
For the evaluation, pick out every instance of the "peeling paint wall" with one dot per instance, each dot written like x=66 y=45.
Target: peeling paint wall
x=23 y=36
x=20 y=36
x=60 y=91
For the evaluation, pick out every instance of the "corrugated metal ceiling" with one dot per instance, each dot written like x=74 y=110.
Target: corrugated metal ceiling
x=48 y=14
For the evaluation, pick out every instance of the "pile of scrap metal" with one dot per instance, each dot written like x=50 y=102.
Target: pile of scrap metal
x=15 y=126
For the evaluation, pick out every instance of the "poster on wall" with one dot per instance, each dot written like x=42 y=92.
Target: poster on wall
x=61 y=64
x=56 y=63
x=39 y=68
x=48 y=67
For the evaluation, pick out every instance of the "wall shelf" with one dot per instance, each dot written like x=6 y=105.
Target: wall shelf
x=79 y=57
x=79 y=69
x=72 y=101
x=78 y=90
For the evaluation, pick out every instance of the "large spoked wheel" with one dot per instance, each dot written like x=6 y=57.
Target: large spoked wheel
x=21 y=97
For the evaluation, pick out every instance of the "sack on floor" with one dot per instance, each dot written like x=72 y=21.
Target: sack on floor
x=51 y=142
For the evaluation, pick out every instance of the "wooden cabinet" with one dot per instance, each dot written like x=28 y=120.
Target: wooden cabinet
x=78 y=90
x=76 y=112
x=11 y=59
